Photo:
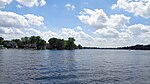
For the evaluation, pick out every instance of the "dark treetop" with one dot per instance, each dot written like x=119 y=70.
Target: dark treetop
x=36 y=42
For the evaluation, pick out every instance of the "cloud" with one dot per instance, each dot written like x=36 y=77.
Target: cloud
x=42 y=2
x=117 y=21
x=86 y=39
x=70 y=7
x=32 y=31
x=79 y=28
x=137 y=7
x=13 y=25
x=138 y=29
x=98 y=19
x=107 y=33
x=21 y=25
x=13 y=33
x=137 y=33
x=113 y=30
x=19 y=6
x=34 y=20
x=80 y=36
x=50 y=34
x=3 y=3
x=31 y=3
x=95 y=18
x=106 y=26
x=26 y=3
x=11 y=19
x=10 y=31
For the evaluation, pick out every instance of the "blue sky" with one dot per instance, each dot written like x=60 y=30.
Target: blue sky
x=102 y=23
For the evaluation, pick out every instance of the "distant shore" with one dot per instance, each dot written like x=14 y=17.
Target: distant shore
x=135 y=47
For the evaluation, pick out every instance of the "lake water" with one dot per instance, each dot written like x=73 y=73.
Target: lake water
x=74 y=67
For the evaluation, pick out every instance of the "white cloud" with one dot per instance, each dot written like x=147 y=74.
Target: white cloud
x=117 y=21
x=106 y=27
x=10 y=31
x=107 y=33
x=3 y=3
x=125 y=36
x=70 y=7
x=50 y=34
x=32 y=31
x=98 y=19
x=31 y=3
x=42 y=2
x=80 y=36
x=44 y=34
x=13 y=33
x=13 y=26
x=137 y=33
x=34 y=20
x=87 y=40
x=137 y=7
x=113 y=30
x=28 y=3
x=19 y=6
x=138 y=29
x=11 y=19
x=79 y=28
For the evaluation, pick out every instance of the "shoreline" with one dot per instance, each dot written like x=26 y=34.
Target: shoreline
x=77 y=49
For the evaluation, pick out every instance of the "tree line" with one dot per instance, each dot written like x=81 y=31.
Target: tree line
x=136 y=47
x=37 y=42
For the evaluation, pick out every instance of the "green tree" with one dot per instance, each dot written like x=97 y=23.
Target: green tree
x=41 y=44
x=1 y=40
x=60 y=44
x=5 y=43
x=33 y=39
x=18 y=41
x=80 y=47
x=52 y=43
x=25 y=40
x=56 y=43
x=70 y=44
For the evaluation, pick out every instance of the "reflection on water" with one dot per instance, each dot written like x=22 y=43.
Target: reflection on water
x=74 y=67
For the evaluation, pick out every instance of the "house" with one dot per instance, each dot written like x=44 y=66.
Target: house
x=33 y=46
x=1 y=46
x=11 y=45
x=48 y=46
x=29 y=46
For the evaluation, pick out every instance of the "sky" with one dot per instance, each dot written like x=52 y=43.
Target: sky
x=93 y=23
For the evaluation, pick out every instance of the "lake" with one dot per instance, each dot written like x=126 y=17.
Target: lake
x=74 y=66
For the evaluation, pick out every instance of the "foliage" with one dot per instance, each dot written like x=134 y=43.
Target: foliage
x=40 y=44
x=37 y=42
x=70 y=44
x=25 y=40
x=137 y=47
x=18 y=41
x=55 y=43
x=60 y=44
x=1 y=40
x=80 y=47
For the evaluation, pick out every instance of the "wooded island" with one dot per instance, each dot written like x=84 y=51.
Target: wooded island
x=36 y=42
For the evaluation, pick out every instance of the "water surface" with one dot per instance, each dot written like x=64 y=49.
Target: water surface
x=74 y=67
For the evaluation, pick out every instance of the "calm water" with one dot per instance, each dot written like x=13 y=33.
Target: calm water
x=74 y=67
